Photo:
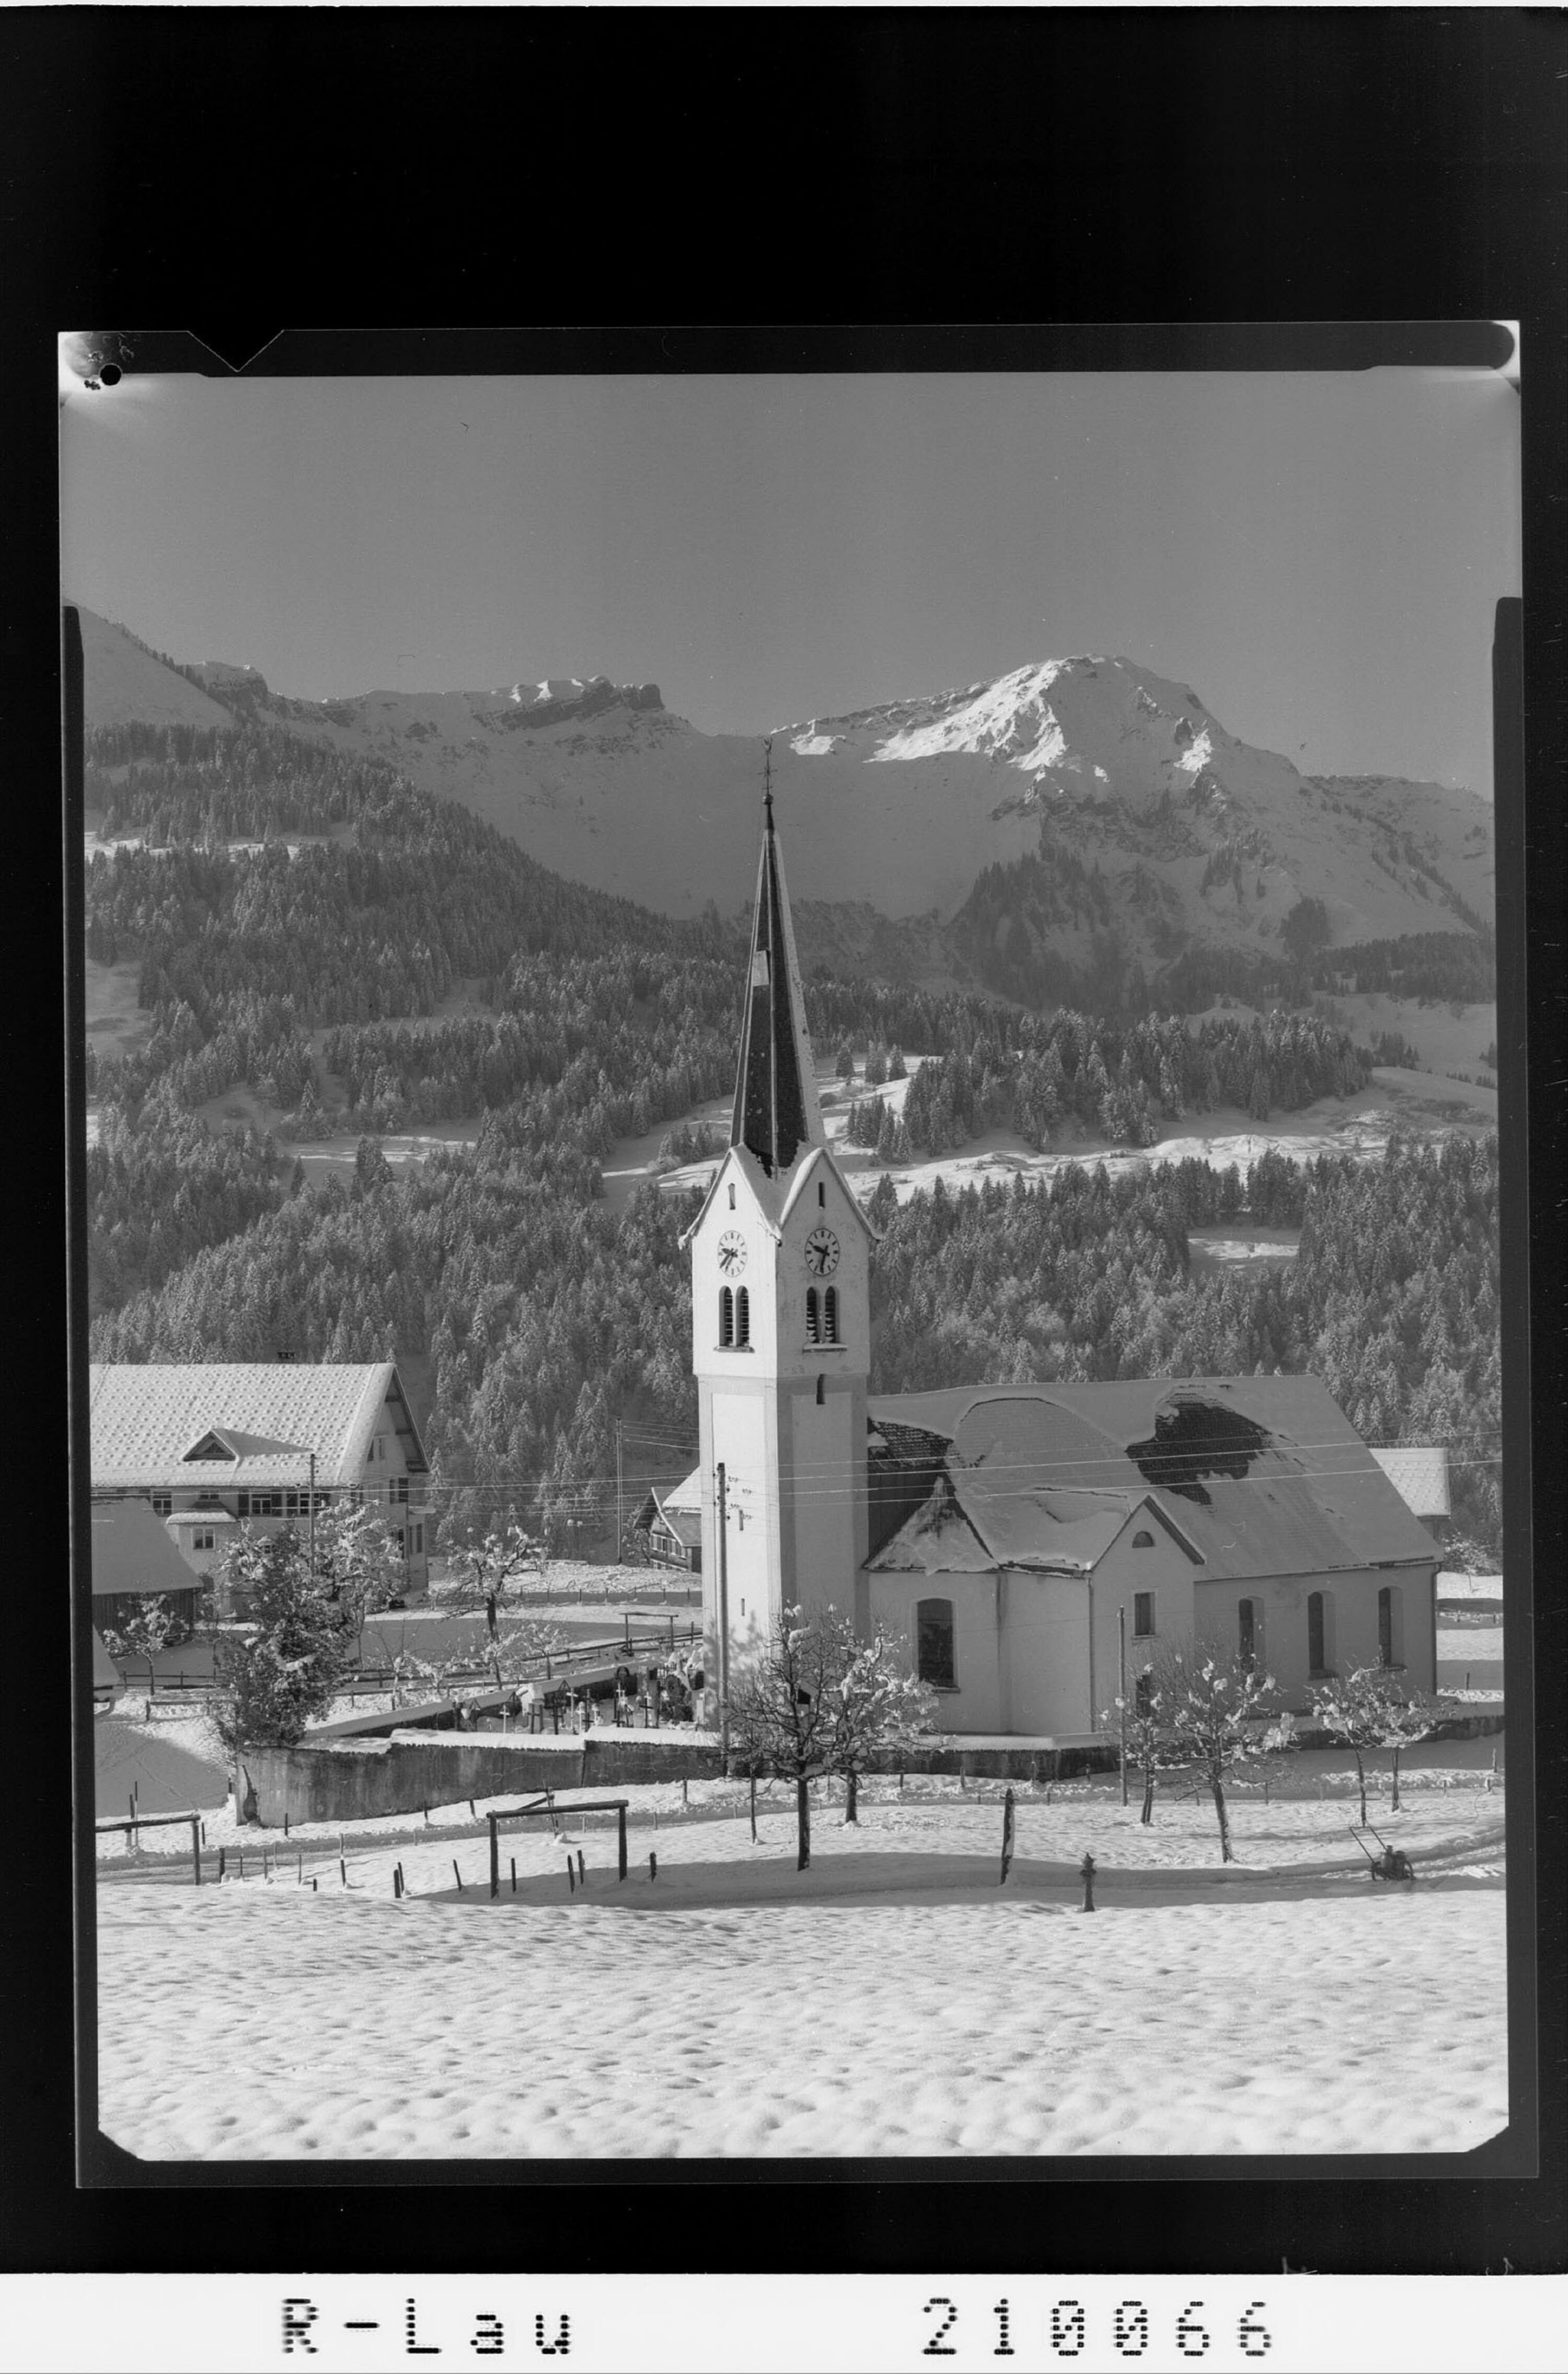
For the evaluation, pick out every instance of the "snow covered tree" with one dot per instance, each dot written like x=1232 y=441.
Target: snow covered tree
x=875 y=1703
x=308 y=1621
x=844 y=1062
x=481 y=1566
x=877 y=1066
x=1211 y=1717
x=897 y=1068
x=781 y=1715
x=1139 y=1721
x=152 y=1624
x=1368 y=1709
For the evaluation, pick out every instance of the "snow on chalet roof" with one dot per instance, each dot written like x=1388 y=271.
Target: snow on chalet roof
x=1420 y=1477
x=131 y=1552
x=1254 y=1475
x=267 y=1418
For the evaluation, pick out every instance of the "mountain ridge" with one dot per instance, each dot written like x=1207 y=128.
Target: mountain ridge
x=1062 y=807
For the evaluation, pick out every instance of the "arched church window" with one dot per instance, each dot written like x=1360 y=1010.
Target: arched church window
x=813 y=1316
x=1249 y=1630
x=934 y=1642
x=831 y=1315
x=742 y=1317
x=1320 y=1631
x=1144 y=1541
x=727 y=1317
x=1391 y=1627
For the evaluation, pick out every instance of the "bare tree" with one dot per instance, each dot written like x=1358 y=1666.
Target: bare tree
x=1212 y=1714
x=781 y=1713
x=1368 y=1709
x=1141 y=1722
x=152 y=1624
x=817 y=1700
x=875 y=1704
x=484 y=1566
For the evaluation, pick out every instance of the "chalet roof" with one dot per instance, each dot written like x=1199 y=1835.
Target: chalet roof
x=146 y=1419
x=131 y=1551
x=776 y=1110
x=680 y=1508
x=1257 y=1476
x=1419 y=1476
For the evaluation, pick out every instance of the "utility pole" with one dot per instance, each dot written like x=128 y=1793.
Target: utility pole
x=1122 y=1693
x=313 y=1521
x=619 y=1517
x=723 y=1626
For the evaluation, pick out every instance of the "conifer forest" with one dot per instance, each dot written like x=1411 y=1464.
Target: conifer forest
x=310 y=967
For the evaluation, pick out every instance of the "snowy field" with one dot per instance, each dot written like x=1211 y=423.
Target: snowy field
x=892 y=2001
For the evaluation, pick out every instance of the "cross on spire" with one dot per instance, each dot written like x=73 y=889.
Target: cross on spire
x=775 y=1103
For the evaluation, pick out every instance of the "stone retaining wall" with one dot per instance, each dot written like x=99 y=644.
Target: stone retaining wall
x=354 y=1779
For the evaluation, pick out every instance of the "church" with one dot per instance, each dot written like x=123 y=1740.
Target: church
x=1021 y=1539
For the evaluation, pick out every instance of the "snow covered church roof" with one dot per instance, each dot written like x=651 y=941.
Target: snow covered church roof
x=1253 y=1475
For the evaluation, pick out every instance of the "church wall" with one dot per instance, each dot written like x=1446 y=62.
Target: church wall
x=1353 y=1622
x=737 y=1431
x=1167 y=1571
x=822 y=1456
x=1045 y=1679
x=976 y=1704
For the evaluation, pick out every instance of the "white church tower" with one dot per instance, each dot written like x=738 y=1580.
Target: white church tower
x=781 y=1322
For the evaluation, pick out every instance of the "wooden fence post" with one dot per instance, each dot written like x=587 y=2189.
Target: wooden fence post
x=620 y=1843
x=495 y=1857
x=197 y=1849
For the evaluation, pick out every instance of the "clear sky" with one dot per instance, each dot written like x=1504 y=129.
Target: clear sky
x=1317 y=556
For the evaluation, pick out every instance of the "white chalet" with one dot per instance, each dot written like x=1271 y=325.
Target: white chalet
x=214 y=1446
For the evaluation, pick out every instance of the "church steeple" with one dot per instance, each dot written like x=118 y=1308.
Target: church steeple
x=776 y=1113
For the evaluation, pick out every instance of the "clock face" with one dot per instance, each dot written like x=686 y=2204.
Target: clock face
x=732 y=1253
x=821 y=1253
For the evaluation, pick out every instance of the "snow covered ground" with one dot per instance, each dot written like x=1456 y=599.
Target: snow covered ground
x=891 y=2001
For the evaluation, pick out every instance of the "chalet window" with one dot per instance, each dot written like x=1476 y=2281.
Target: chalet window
x=1391 y=1627
x=726 y=1316
x=831 y=1315
x=1143 y=1614
x=398 y=1488
x=934 y=1642
x=742 y=1317
x=201 y=1539
x=813 y=1316
x=1144 y=1541
x=821 y=1394
x=419 y=1541
x=1320 y=1631
x=162 y=1504
x=1143 y=1693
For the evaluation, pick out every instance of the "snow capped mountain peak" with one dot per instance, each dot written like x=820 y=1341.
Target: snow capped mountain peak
x=1088 y=722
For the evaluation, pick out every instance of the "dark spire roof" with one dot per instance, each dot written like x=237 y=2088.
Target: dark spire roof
x=775 y=1099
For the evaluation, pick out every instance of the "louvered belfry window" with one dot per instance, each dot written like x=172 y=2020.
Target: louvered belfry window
x=813 y=1316
x=831 y=1315
x=742 y=1317
x=727 y=1317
